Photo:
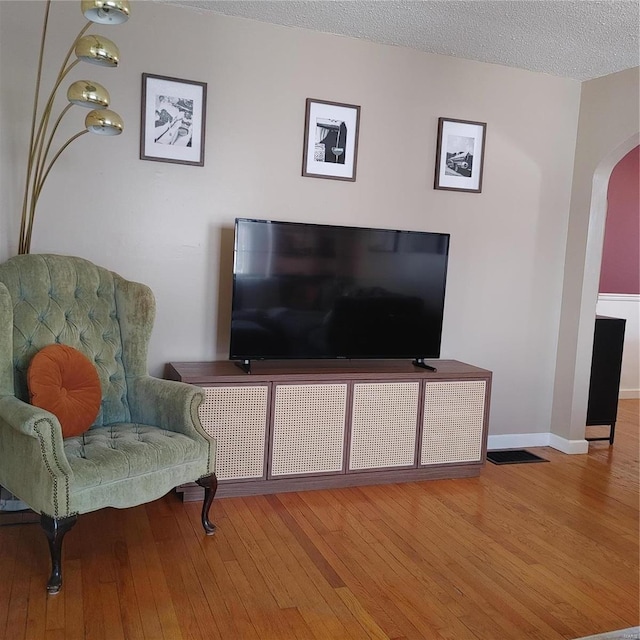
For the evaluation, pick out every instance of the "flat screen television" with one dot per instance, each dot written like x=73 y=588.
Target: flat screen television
x=307 y=291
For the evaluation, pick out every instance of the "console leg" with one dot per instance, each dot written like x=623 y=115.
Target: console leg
x=55 y=530
x=210 y=485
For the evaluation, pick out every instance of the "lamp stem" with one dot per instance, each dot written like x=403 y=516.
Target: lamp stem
x=36 y=141
x=21 y=246
x=37 y=186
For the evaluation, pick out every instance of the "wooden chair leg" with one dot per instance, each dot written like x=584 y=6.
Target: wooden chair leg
x=55 y=530
x=210 y=485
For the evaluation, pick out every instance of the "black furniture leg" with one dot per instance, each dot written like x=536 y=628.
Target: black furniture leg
x=55 y=530
x=612 y=432
x=210 y=485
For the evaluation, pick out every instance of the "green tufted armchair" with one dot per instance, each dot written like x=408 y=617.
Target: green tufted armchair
x=147 y=437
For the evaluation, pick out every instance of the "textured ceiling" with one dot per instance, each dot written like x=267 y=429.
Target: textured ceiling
x=579 y=39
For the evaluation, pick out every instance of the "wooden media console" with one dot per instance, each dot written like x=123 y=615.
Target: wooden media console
x=298 y=425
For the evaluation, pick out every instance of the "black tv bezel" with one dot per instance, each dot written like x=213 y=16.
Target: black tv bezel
x=418 y=360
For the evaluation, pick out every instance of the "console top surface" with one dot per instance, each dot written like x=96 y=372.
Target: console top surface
x=225 y=371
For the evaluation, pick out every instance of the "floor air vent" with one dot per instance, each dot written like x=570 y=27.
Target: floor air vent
x=513 y=456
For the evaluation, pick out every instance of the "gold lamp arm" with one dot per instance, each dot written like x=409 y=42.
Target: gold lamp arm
x=36 y=140
x=90 y=48
x=110 y=57
x=38 y=184
x=46 y=114
x=64 y=70
x=43 y=157
x=36 y=145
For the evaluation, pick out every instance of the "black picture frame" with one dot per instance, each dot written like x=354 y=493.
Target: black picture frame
x=173 y=118
x=460 y=155
x=339 y=124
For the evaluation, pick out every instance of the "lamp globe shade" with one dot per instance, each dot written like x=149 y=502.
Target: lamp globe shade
x=106 y=11
x=86 y=93
x=97 y=50
x=104 y=122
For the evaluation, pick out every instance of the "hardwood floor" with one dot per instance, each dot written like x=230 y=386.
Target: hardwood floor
x=546 y=550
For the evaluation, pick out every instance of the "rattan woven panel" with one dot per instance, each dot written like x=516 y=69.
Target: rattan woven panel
x=453 y=420
x=383 y=426
x=237 y=418
x=308 y=428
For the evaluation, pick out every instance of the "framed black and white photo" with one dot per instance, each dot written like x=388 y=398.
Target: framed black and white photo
x=173 y=120
x=460 y=155
x=330 y=140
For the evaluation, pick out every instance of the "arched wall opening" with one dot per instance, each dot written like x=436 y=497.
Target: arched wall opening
x=619 y=290
x=590 y=283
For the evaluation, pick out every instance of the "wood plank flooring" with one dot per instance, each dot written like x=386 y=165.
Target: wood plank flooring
x=543 y=551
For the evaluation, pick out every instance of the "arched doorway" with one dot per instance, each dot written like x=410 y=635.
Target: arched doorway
x=590 y=282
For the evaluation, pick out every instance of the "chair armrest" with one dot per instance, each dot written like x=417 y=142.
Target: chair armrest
x=32 y=458
x=167 y=404
x=25 y=419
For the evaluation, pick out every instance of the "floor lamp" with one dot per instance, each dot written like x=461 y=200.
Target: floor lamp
x=85 y=93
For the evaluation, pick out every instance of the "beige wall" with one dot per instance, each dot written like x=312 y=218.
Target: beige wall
x=608 y=129
x=171 y=226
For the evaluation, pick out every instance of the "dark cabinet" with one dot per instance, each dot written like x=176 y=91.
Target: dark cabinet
x=606 y=368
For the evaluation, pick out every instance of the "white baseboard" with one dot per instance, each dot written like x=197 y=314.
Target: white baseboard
x=568 y=446
x=525 y=440
x=629 y=394
x=518 y=441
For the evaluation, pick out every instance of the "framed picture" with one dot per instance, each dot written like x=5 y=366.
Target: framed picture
x=173 y=120
x=330 y=140
x=460 y=155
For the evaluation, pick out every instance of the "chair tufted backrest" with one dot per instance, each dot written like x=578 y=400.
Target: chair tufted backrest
x=68 y=300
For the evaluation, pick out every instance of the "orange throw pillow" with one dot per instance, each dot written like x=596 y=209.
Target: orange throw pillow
x=65 y=382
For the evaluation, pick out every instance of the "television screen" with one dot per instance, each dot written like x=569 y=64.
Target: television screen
x=320 y=291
